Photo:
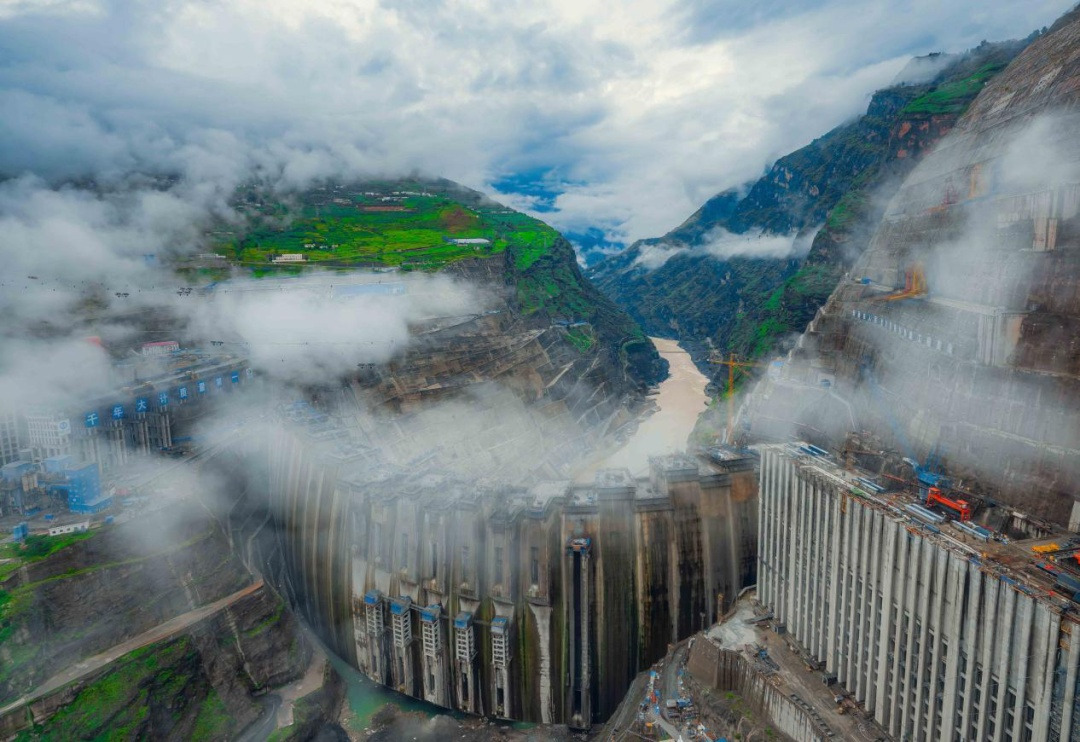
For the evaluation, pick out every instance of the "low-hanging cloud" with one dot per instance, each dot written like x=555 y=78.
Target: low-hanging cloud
x=128 y=127
x=724 y=245
x=964 y=369
x=56 y=374
x=638 y=118
x=93 y=263
x=320 y=328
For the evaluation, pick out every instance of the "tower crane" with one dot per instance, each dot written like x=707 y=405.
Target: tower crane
x=717 y=359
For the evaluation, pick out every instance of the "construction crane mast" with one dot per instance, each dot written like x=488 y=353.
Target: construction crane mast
x=717 y=359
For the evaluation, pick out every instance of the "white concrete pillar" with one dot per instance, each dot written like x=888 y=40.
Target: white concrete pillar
x=888 y=620
x=1070 y=685
x=817 y=597
x=972 y=634
x=764 y=571
x=798 y=557
x=937 y=625
x=925 y=654
x=873 y=625
x=989 y=640
x=835 y=577
x=952 y=620
x=1021 y=653
x=847 y=600
x=911 y=659
x=904 y=558
x=1045 y=693
x=1005 y=651
x=864 y=609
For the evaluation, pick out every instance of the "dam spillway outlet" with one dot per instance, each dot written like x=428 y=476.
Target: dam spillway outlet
x=536 y=603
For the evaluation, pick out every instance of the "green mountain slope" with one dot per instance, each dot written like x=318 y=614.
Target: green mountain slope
x=824 y=198
x=414 y=225
x=434 y=225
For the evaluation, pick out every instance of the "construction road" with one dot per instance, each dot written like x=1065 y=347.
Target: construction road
x=668 y=688
x=159 y=633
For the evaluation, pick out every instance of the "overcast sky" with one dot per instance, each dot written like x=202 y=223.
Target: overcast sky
x=631 y=113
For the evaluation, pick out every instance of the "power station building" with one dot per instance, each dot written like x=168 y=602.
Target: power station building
x=941 y=629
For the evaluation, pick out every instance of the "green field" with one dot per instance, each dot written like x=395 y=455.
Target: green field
x=953 y=97
x=407 y=225
x=411 y=225
x=36 y=548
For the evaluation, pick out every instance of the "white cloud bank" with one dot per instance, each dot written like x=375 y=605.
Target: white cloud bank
x=723 y=245
x=637 y=114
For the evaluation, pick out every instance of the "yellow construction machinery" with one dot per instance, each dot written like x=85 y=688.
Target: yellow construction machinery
x=717 y=359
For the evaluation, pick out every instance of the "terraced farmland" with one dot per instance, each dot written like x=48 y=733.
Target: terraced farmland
x=415 y=226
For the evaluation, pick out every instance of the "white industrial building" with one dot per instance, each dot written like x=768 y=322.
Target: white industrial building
x=10 y=441
x=160 y=348
x=938 y=633
x=48 y=433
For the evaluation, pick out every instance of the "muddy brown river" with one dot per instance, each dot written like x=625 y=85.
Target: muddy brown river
x=679 y=400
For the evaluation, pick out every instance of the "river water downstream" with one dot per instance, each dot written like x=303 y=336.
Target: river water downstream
x=679 y=400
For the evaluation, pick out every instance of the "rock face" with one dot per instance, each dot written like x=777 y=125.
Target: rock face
x=957 y=333
x=439 y=225
x=198 y=685
x=198 y=682
x=109 y=588
x=823 y=199
x=632 y=359
x=551 y=294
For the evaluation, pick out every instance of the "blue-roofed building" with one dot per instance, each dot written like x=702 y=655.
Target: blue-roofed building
x=82 y=486
x=16 y=479
x=58 y=464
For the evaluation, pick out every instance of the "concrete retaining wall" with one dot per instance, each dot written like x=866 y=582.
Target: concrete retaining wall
x=726 y=670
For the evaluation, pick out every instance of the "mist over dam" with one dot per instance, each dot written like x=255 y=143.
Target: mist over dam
x=537 y=602
x=437 y=372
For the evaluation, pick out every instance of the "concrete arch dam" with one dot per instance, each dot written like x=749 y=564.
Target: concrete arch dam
x=535 y=603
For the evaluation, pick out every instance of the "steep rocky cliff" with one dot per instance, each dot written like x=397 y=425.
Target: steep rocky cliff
x=955 y=339
x=809 y=215
x=151 y=629
x=106 y=589
x=198 y=685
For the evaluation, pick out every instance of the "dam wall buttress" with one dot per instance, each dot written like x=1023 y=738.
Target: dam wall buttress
x=539 y=603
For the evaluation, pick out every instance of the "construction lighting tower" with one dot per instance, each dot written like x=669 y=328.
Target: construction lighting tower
x=718 y=360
